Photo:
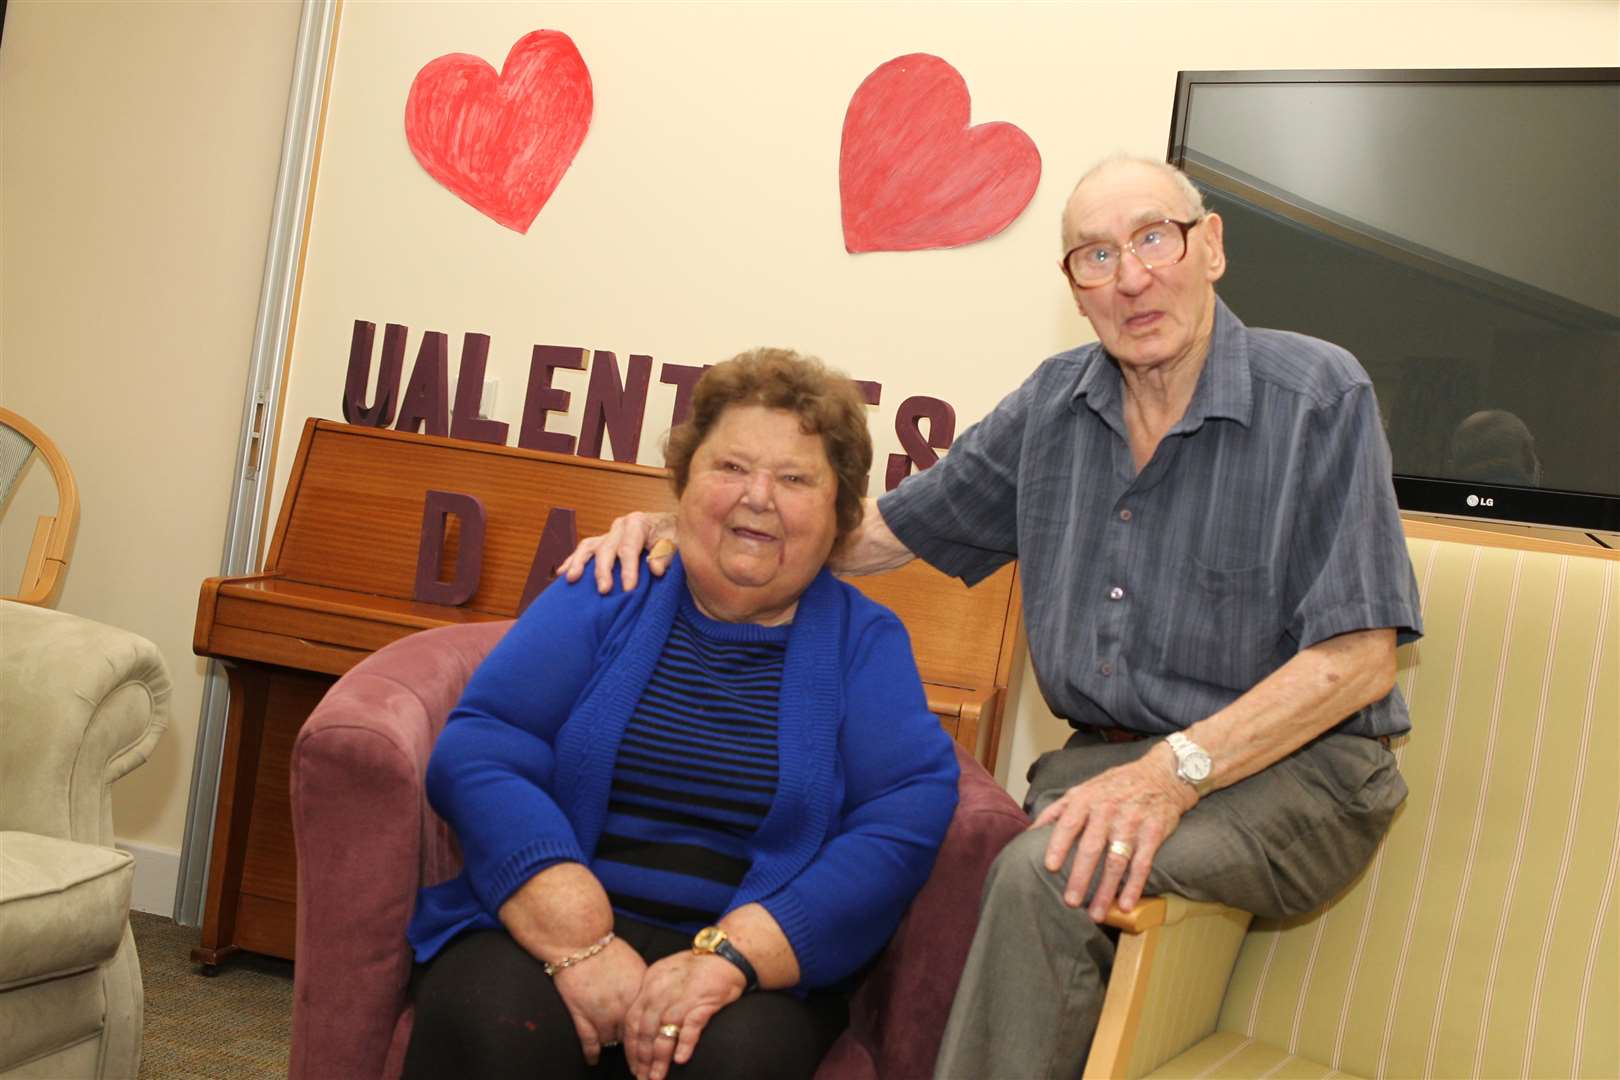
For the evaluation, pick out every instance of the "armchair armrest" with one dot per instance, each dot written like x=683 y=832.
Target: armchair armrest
x=84 y=703
x=366 y=840
x=1173 y=962
x=898 y=1015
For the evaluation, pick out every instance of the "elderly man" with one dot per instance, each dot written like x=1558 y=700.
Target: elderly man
x=1215 y=581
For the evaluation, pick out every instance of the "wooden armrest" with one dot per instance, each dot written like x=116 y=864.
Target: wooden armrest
x=1149 y=912
x=1161 y=911
x=1174 y=959
x=963 y=711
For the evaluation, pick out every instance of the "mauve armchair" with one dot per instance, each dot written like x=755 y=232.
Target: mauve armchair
x=366 y=840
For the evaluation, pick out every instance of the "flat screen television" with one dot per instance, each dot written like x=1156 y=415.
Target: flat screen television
x=1459 y=232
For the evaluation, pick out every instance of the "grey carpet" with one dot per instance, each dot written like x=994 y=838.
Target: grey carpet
x=235 y=1025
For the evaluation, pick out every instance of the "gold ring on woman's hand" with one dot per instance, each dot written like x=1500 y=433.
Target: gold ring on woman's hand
x=669 y=1031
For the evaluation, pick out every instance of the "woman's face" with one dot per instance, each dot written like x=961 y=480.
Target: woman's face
x=758 y=518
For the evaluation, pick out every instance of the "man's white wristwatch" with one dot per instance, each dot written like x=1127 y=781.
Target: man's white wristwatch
x=1192 y=762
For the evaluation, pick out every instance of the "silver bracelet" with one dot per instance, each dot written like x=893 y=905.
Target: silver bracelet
x=583 y=954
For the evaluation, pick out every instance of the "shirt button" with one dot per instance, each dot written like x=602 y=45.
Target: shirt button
x=1106 y=668
x=1116 y=593
x=1124 y=515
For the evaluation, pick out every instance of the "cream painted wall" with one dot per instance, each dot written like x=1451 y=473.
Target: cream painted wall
x=139 y=144
x=702 y=216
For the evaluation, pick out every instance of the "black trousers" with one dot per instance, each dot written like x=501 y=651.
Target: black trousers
x=486 y=1008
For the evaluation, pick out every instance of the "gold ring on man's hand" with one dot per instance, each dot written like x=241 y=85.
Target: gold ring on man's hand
x=1121 y=848
x=669 y=1031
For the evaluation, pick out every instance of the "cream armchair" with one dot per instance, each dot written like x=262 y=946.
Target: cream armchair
x=1482 y=939
x=81 y=704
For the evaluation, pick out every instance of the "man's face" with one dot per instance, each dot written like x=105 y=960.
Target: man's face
x=1146 y=318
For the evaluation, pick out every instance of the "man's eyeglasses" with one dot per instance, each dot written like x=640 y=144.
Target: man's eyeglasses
x=1158 y=244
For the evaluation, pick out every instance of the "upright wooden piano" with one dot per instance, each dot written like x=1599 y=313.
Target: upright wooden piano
x=342 y=578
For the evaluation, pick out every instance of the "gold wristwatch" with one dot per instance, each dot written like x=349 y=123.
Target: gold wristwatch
x=712 y=939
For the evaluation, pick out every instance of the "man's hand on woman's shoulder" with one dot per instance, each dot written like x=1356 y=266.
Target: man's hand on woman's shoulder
x=622 y=546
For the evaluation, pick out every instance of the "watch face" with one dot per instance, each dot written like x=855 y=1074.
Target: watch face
x=709 y=938
x=1196 y=766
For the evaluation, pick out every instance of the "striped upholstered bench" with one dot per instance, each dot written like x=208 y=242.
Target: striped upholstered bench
x=1484 y=938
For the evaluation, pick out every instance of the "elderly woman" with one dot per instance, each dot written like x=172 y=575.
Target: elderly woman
x=691 y=811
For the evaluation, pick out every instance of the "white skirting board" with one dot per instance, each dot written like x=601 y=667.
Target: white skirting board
x=156 y=871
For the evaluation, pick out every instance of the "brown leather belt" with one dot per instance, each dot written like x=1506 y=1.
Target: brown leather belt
x=1119 y=734
x=1114 y=734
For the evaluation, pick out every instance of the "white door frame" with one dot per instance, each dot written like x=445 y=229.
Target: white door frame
x=261 y=406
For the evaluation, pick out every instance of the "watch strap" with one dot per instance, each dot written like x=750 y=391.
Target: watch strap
x=712 y=939
x=727 y=951
x=1184 y=748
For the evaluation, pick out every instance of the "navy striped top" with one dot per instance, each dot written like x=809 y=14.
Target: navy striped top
x=696 y=772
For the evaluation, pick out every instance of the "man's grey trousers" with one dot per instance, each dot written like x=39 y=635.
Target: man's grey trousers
x=1281 y=842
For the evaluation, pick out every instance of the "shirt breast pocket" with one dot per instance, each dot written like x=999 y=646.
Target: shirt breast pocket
x=1221 y=627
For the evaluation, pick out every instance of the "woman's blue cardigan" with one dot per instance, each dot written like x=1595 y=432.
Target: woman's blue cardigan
x=865 y=791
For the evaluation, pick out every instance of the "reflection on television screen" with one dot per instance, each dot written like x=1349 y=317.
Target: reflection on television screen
x=1459 y=232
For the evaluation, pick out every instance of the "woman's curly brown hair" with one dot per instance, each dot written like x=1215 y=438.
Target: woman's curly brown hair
x=826 y=402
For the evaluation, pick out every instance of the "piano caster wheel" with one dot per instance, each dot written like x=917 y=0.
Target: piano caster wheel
x=208 y=971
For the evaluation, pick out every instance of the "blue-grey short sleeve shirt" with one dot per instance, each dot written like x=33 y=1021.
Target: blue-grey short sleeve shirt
x=1264 y=523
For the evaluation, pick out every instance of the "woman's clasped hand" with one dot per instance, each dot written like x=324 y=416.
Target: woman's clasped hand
x=678 y=996
x=598 y=996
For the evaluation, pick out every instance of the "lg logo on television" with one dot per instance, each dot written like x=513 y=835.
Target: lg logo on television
x=1475 y=500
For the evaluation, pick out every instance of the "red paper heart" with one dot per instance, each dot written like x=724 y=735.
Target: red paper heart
x=912 y=174
x=502 y=143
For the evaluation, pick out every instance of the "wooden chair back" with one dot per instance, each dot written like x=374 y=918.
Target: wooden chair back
x=46 y=564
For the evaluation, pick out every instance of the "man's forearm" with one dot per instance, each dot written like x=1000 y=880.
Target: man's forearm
x=1305 y=697
x=1132 y=809
x=871 y=548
